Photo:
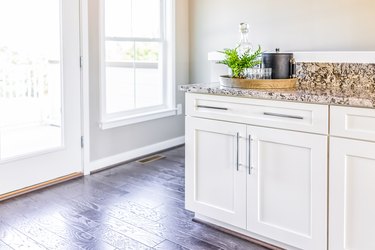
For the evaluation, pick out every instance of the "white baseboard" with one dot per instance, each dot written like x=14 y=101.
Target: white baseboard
x=136 y=153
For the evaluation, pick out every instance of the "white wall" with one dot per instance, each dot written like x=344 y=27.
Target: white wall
x=294 y=25
x=108 y=143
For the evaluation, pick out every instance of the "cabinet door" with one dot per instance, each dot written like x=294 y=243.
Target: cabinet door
x=287 y=187
x=215 y=172
x=352 y=195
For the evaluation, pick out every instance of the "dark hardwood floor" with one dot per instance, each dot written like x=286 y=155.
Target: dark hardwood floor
x=132 y=206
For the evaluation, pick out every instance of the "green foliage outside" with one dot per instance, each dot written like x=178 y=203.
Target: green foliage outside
x=141 y=54
x=146 y=52
x=238 y=63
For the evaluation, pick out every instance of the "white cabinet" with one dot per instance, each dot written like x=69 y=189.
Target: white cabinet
x=352 y=179
x=215 y=172
x=287 y=187
x=283 y=196
x=352 y=195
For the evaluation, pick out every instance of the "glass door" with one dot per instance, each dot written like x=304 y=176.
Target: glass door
x=40 y=124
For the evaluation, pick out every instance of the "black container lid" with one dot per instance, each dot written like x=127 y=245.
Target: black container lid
x=277 y=52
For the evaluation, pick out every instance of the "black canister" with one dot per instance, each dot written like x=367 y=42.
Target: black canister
x=282 y=64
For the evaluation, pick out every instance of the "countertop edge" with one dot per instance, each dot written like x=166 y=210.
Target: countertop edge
x=302 y=96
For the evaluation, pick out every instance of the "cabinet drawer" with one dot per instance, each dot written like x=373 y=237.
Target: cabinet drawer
x=356 y=123
x=286 y=115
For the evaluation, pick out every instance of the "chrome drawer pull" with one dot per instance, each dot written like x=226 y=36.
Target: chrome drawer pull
x=238 y=152
x=250 y=160
x=283 y=116
x=211 y=107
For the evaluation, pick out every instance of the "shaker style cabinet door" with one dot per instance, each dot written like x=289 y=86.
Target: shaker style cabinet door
x=352 y=195
x=287 y=187
x=215 y=170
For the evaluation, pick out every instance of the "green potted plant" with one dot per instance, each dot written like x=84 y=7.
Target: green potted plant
x=239 y=62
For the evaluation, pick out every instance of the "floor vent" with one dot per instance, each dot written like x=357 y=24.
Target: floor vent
x=151 y=159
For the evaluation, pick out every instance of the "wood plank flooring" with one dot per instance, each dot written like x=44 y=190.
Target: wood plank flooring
x=132 y=206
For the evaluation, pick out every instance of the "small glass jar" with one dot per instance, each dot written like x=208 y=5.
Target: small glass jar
x=259 y=73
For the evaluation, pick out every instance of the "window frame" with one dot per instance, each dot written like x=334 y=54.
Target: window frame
x=166 y=62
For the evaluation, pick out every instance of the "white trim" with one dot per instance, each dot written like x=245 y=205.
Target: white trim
x=320 y=56
x=135 y=39
x=336 y=56
x=130 y=155
x=170 y=37
x=142 y=65
x=102 y=61
x=140 y=117
x=85 y=88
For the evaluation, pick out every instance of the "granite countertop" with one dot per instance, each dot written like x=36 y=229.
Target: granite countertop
x=336 y=95
x=349 y=84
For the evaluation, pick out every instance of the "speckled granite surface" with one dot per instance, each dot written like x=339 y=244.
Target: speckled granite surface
x=343 y=75
x=356 y=97
x=322 y=83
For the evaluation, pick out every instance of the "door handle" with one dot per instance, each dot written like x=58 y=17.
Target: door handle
x=283 y=115
x=250 y=156
x=238 y=152
x=211 y=107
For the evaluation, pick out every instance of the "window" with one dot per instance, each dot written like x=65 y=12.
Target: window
x=137 y=72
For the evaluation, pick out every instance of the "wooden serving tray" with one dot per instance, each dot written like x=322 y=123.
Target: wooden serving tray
x=229 y=82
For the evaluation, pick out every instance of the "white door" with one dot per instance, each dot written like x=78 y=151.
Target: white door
x=352 y=195
x=39 y=92
x=216 y=170
x=287 y=187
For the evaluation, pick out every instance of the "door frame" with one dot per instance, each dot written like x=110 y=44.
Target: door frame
x=85 y=90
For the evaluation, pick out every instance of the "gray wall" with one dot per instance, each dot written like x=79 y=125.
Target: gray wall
x=294 y=25
x=106 y=143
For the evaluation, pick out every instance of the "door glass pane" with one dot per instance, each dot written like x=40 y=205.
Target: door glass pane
x=30 y=77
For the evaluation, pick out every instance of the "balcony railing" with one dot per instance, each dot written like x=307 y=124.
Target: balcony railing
x=29 y=92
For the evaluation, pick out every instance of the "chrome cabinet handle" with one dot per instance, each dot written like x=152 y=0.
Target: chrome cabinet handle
x=211 y=107
x=250 y=167
x=283 y=116
x=238 y=152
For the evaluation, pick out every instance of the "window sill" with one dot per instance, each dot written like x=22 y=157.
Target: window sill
x=128 y=120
